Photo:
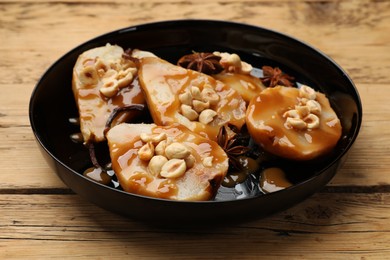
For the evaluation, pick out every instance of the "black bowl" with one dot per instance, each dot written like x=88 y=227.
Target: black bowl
x=52 y=104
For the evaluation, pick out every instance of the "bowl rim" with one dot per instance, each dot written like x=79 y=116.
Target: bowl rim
x=166 y=23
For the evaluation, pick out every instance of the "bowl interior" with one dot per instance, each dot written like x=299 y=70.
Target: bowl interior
x=52 y=105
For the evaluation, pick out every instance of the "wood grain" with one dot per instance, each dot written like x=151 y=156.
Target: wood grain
x=332 y=224
x=41 y=218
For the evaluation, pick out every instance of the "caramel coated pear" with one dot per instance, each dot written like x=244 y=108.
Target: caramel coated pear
x=169 y=162
x=297 y=124
x=190 y=98
x=246 y=85
x=102 y=81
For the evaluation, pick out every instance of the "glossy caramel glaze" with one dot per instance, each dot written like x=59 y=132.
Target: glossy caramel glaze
x=162 y=82
x=95 y=108
x=198 y=183
x=246 y=85
x=266 y=125
x=273 y=179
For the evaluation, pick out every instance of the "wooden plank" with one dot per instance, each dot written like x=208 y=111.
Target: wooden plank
x=335 y=27
x=165 y=1
x=335 y=225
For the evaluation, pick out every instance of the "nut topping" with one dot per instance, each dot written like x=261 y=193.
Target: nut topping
x=195 y=103
x=186 y=98
x=156 y=163
x=199 y=106
x=306 y=113
x=166 y=158
x=190 y=161
x=173 y=168
x=177 y=151
x=195 y=92
x=89 y=76
x=160 y=148
x=209 y=95
x=188 y=112
x=208 y=161
x=114 y=74
x=207 y=116
x=233 y=63
x=307 y=92
x=296 y=123
x=312 y=121
x=146 y=152
x=314 y=107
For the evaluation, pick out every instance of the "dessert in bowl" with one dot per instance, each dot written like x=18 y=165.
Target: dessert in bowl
x=243 y=174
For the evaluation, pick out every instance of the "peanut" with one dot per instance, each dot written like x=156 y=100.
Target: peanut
x=174 y=168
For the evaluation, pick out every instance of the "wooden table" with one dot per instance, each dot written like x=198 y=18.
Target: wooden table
x=41 y=218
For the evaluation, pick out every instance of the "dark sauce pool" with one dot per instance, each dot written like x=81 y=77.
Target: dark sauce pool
x=237 y=184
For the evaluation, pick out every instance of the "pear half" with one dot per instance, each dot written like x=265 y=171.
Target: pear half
x=163 y=83
x=200 y=178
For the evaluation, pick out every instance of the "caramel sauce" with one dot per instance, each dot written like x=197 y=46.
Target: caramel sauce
x=246 y=85
x=94 y=108
x=98 y=175
x=249 y=166
x=163 y=81
x=273 y=179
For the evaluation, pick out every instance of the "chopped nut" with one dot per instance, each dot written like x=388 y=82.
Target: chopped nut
x=156 y=163
x=115 y=74
x=154 y=138
x=291 y=114
x=125 y=78
x=157 y=138
x=312 y=121
x=100 y=65
x=186 y=98
x=234 y=60
x=190 y=161
x=303 y=111
x=307 y=92
x=208 y=161
x=195 y=92
x=209 y=95
x=110 y=74
x=296 y=123
x=145 y=137
x=188 y=112
x=233 y=63
x=89 y=76
x=199 y=106
x=160 y=148
x=246 y=68
x=113 y=81
x=177 y=151
x=314 y=107
x=110 y=88
x=207 y=116
x=146 y=152
x=174 y=168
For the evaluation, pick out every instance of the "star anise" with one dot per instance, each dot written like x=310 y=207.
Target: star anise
x=228 y=140
x=204 y=62
x=275 y=76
